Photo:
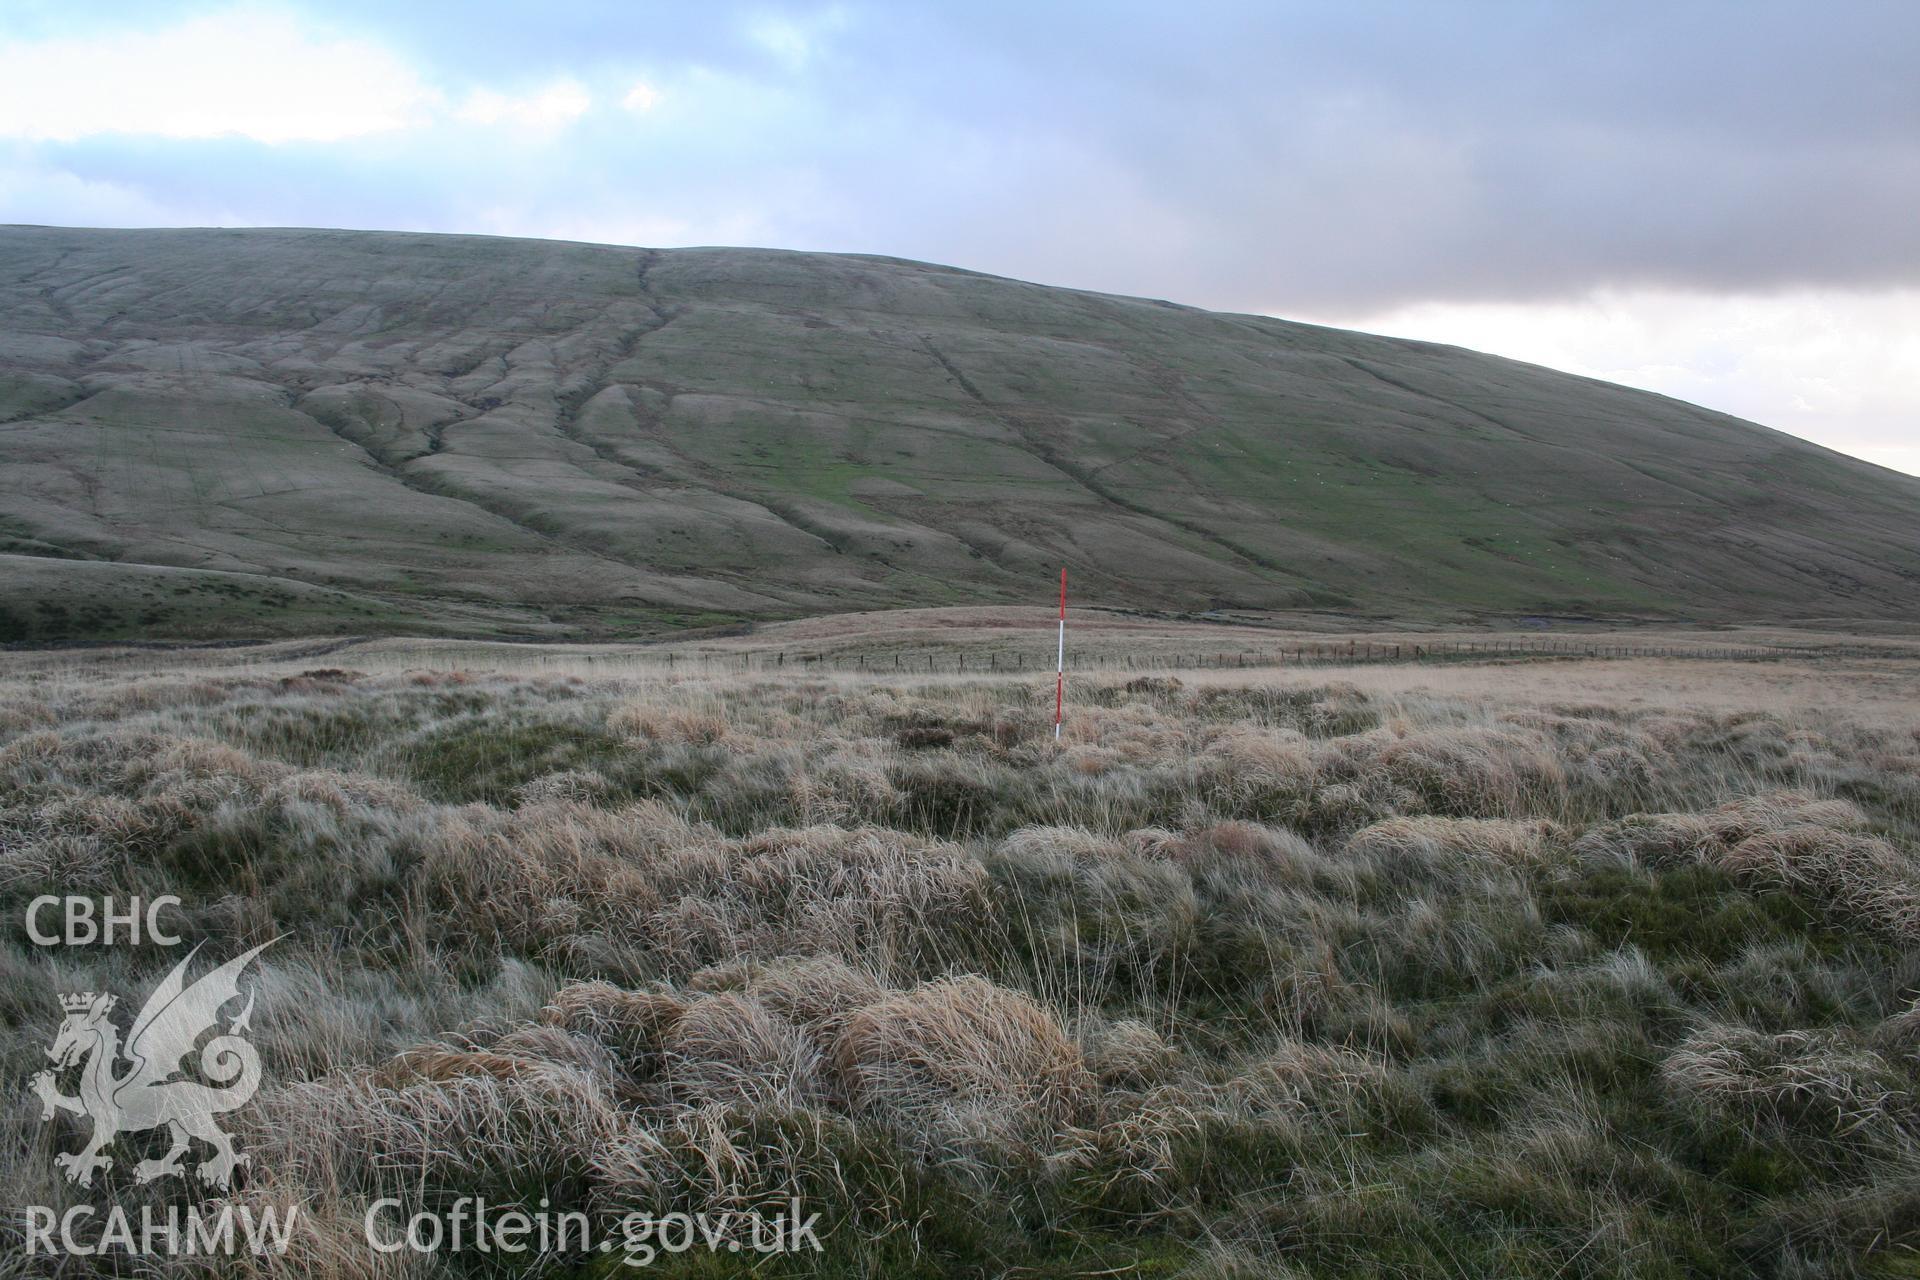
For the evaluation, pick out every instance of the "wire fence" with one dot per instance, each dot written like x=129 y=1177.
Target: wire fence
x=1321 y=654
x=999 y=657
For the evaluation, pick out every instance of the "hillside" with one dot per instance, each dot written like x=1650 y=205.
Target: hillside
x=260 y=431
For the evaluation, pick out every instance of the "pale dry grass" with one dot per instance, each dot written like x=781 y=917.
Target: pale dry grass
x=1826 y=1079
x=1441 y=963
x=960 y=1060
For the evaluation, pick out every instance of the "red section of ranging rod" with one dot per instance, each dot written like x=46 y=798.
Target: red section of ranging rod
x=1060 y=662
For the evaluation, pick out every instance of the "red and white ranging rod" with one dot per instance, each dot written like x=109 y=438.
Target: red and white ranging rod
x=1060 y=662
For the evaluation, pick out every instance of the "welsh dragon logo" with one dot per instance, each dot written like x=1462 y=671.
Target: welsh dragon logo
x=152 y=1091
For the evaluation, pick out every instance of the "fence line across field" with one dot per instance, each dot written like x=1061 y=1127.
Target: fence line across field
x=1002 y=657
x=949 y=661
x=1344 y=654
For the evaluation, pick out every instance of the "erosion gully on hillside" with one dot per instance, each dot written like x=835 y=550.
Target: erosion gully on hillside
x=254 y=433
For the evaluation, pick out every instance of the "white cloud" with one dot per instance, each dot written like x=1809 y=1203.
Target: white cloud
x=1839 y=368
x=642 y=97
x=245 y=73
x=552 y=107
x=28 y=191
x=540 y=219
x=1898 y=458
x=795 y=39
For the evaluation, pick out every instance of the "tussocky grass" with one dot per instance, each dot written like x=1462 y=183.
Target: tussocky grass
x=1236 y=979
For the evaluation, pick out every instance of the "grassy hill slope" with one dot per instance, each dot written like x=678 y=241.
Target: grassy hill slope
x=258 y=431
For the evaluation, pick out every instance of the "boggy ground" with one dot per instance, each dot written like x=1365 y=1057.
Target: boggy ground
x=1239 y=979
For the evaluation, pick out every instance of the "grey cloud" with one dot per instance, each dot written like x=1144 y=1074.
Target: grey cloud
x=1333 y=158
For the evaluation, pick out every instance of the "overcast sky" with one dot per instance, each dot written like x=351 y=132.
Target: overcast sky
x=1716 y=200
